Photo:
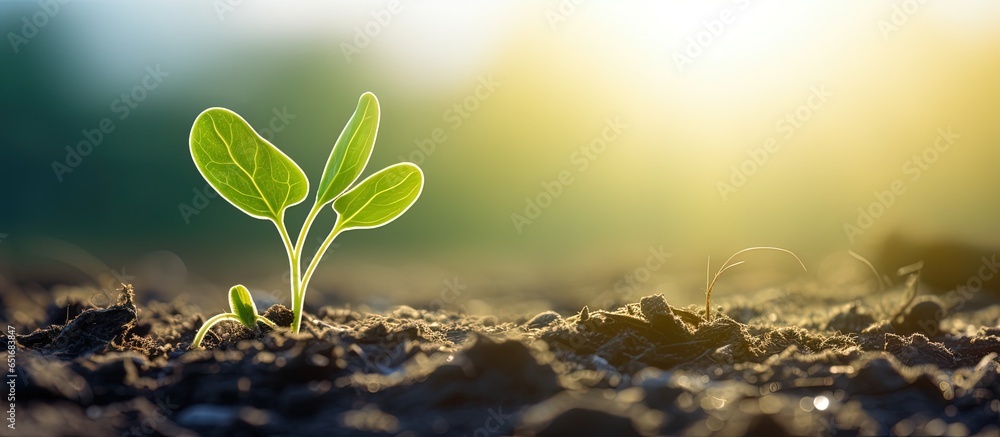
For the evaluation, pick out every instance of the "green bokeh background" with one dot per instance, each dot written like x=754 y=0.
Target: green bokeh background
x=563 y=71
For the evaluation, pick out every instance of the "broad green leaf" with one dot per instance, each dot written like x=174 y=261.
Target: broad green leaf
x=351 y=152
x=244 y=168
x=380 y=198
x=242 y=305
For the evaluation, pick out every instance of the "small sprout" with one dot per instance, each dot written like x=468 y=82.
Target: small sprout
x=881 y=282
x=726 y=266
x=242 y=309
x=242 y=304
x=912 y=273
x=260 y=180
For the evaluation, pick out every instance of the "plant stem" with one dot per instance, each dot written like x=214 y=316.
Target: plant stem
x=293 y=265
x=300 y=242
x=208 y=325
x=267 y=322
x=295 y=257
x=727 y=266
x=315 y=262
x=711 y=285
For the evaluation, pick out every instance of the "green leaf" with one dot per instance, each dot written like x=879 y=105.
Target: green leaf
x=244 y=168
x=380 y=198
x=351 y=152
x=242 y=305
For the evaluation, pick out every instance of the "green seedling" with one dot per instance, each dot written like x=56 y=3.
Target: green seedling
x=241 y=309
x=726 y=266
x=258 y=179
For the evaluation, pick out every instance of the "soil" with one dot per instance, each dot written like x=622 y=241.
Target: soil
x=644 y=368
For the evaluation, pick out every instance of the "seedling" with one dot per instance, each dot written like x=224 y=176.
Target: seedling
x=241 y=309
x=258 y=179
x=871 y=267
x=726 y=266
x=912 y=274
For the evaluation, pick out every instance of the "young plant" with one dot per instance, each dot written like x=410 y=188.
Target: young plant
x=260 y=180
x=241 y=309
x=726 y=266
x=871 y=267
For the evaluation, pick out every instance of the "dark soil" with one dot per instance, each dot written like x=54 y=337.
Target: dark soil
x=646 y=368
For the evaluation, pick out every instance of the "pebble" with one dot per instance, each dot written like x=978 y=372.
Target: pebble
x=543 y=319
x=923 y=317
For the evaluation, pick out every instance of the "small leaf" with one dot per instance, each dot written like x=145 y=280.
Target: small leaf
x=242 y=305
x=351 y=152
x=380 y=198
x=243 y=167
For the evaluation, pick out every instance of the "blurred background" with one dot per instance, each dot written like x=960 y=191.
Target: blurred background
x=574 y=151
